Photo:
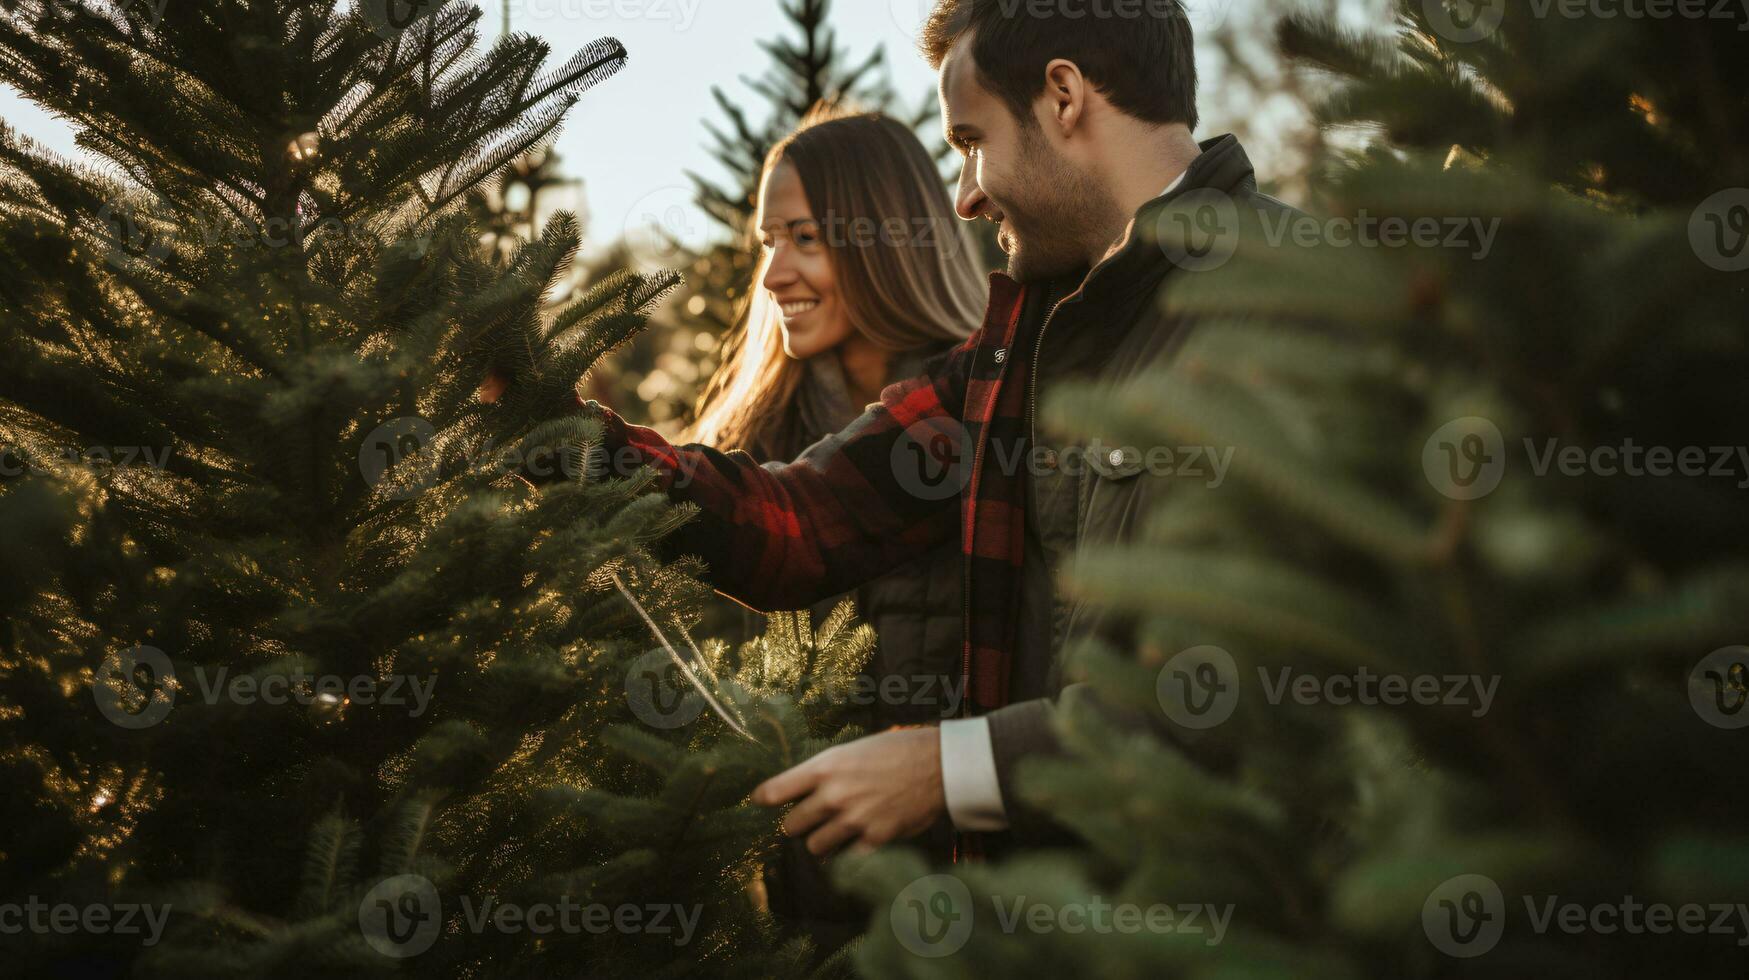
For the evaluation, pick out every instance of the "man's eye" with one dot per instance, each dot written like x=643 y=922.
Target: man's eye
x=805 y=238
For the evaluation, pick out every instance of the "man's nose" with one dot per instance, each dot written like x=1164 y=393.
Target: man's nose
x=970 y=201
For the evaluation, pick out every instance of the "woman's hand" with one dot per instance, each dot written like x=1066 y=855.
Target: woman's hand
x=492 y=388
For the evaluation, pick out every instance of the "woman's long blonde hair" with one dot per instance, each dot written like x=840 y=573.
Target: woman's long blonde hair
x=863 y=173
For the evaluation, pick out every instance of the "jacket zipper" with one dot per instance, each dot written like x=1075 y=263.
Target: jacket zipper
x=1038 y=350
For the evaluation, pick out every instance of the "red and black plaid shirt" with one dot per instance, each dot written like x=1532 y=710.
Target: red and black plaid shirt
x=784 y=536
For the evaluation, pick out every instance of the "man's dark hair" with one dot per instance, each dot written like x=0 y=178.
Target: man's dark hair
x=1138 y=55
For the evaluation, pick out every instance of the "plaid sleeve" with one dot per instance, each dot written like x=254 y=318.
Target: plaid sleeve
x=787 y=535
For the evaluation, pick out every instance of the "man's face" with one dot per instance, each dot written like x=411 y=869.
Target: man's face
x=1048 y=209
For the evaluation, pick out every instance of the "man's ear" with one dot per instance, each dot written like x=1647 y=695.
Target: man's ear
x=1066 y=93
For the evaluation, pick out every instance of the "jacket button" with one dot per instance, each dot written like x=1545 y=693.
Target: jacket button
x=1001 y=354
x=1116 y=457
x=1050 y=459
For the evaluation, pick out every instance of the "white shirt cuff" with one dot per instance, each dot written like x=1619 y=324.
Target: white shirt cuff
x=968 y=776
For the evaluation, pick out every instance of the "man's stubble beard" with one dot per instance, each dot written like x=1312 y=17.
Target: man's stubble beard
x=1068 y=219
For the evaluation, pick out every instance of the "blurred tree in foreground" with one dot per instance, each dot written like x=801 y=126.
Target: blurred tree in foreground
x=1504 y=457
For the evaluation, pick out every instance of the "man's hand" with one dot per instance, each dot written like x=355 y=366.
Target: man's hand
x=868 y=792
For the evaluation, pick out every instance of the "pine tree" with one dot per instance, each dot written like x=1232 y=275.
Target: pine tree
x=807 y=71
x=307 y=647
x=1386 y=408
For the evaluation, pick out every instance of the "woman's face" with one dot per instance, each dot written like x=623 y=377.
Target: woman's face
x=800 y=278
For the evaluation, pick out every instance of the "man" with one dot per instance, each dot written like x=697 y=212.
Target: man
x=1076 y=137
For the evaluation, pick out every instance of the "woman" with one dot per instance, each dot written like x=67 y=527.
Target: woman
x=865 y=274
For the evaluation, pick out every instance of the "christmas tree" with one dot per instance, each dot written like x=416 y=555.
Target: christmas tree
x=320 y=659
x=1446 y=677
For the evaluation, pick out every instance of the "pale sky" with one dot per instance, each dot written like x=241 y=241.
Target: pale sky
x=632 y=138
